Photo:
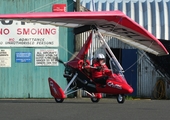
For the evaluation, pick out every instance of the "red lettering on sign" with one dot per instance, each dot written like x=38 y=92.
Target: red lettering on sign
x=33 y=31
x=26 y=31
x=36 y=31
x=4 y=31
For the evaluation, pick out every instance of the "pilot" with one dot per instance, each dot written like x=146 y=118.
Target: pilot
x=100 y=72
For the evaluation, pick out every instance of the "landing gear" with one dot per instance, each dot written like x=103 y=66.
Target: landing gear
x=120 y=98
x=94 y=99
x=59 y=100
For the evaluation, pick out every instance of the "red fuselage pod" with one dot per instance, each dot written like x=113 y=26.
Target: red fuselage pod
x=55 y=89
x=116 y=84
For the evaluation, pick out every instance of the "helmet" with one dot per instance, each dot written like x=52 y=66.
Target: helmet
x=100 y=56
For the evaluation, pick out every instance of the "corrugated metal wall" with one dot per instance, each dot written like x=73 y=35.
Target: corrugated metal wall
x=147 y=76
x=25 y=80
x=153 y=16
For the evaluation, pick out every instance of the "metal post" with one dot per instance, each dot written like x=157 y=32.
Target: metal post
x=77 y=43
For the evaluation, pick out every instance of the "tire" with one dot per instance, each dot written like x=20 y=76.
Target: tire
x=120 y=98
x=59 y=100
x=95 y=100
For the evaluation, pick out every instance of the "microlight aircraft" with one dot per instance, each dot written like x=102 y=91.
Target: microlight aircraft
x=114 y=23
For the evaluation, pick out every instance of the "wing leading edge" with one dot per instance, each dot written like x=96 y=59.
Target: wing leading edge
x=114 y=23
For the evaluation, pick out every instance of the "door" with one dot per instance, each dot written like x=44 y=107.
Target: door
x=129 y=58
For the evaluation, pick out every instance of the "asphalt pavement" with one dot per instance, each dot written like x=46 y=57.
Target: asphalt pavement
x=83 y=109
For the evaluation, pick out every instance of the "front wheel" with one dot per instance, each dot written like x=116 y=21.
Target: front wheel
x=120 y=98
x=59 y=100
x=95 y=100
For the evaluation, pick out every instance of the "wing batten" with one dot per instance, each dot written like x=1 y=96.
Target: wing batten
x=114 y=23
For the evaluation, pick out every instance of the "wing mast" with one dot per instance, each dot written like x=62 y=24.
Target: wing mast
x=110 y=53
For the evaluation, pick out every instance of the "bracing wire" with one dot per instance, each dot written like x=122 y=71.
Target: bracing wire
x=42 y=7
x=138 y=58
x=46 y=5
x=69 y=52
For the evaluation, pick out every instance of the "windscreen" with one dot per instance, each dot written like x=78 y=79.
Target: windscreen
x=114 y=67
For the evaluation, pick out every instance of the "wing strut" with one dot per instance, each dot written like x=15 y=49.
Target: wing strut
x=109 y=51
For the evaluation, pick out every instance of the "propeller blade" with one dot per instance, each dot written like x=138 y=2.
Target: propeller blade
x=60 y=61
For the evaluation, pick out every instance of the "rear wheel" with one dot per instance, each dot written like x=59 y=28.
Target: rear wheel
x=59 y=100
x=120 y=98
x=95 y=100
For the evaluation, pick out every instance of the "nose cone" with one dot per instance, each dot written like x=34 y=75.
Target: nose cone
x=130 y=90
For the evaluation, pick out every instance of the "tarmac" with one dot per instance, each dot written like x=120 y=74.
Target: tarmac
x=84 y=109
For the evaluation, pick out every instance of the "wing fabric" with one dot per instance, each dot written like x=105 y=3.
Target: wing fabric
x=114 y=23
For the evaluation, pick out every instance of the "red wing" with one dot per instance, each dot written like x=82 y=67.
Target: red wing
x=114 y=23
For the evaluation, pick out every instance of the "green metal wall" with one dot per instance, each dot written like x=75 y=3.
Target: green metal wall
x=25 y=80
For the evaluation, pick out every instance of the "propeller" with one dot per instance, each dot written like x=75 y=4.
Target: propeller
x=60 y=61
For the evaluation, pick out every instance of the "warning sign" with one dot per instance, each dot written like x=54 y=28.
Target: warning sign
x=46 y=57
x=21 y=34
x=5 y=57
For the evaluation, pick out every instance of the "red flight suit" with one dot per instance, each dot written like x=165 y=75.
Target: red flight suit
x=100 y=73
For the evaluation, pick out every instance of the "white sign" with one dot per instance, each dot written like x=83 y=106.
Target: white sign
x=21 y=34
x=5 y=57
x=46 y=57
